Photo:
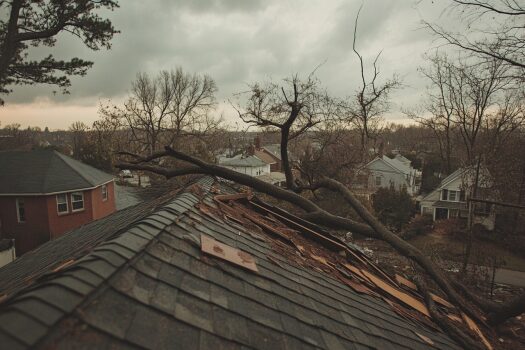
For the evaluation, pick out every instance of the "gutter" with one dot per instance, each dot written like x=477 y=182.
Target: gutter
x=52 y=193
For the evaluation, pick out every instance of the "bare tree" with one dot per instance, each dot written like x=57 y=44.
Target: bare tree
x=439 y=105
x=371 y=99
x=79 y=137
x=293 y=108
x=490 y=29
x=163 y=108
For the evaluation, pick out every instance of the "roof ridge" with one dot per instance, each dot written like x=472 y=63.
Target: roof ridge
x=61 y=156
x=47 y=171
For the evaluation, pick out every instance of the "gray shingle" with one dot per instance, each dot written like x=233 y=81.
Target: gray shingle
x=149 y=285
x=46 y=171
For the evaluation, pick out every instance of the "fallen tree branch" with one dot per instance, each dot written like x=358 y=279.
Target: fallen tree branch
x=201 y=167
x=452 y=330
x=373 y=228
x=140 y=159
x=497 y=313
x=168 y=173
x=402 y=246
x=513 y=308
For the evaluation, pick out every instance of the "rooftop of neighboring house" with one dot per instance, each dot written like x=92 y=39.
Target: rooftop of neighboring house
x=395 y=164
x=247 y=161
x=465 y=174
x=210 y=268
x=403 y=159
x=274 y=149
x=398 y=164
x=273 y=177
x=46 y=172
x=265 y=157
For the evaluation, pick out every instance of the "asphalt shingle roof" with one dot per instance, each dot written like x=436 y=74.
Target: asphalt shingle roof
x=274 y=149
x=250 y=161
x=149 y=285
x=45 y=171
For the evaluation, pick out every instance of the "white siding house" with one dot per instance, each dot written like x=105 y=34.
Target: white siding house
x=386 y=172
x=250 y=165
x=449 y=199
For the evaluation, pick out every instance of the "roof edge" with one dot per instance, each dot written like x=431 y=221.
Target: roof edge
x=57 y=192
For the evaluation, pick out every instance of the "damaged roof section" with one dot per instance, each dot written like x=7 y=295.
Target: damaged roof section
x=215 y=268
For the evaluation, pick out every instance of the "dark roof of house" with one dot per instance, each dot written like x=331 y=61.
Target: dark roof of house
x=46 y=171
x=268 y=281
x=264 y=156
x=274 y=149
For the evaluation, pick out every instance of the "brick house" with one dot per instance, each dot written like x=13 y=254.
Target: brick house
x=44 y=194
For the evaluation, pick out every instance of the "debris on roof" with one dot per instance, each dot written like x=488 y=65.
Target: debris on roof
x=223 y=251
x=213 y=268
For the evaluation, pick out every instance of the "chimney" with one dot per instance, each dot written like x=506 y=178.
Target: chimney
x=257 y=142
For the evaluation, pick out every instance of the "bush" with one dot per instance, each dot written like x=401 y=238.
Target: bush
x=451 y=227
x=393 y=208
x=419 y=225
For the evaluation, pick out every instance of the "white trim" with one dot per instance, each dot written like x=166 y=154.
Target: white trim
x=396 y=170
x=67 y=204
x=102 y=191
x=54 y=193
x=18 y=212
x=73 y=210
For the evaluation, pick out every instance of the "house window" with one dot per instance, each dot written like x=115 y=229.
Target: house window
x=378 y=181
x=62 y=203
x=77 y=201
x=20 y=210
x=452 y=196
x=444 y=194
x=104 y=192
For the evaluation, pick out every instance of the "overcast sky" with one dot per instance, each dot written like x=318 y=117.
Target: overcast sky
x=237 y=42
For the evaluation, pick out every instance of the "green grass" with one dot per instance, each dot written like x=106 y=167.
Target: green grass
x=483 y=252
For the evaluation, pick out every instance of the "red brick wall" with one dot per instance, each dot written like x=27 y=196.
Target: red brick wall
x=34 y=231
x=60 y=223
x=43 y=221
x=103 y=208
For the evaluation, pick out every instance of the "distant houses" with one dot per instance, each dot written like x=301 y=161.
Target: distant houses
x=249 y=165
x=385 y=172
x=262 y=162
x=44 y=194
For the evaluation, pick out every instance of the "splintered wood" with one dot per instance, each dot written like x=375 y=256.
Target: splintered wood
x=223 y=251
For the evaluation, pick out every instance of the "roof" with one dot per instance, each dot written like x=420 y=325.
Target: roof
x=397 y=164
x=402 y=158
x=459 y=172
x=268 y=280
x=265 y=157
x=273 y=177
x=250 y=161
x=46 y=171
x=274 y=149
x=449 y=205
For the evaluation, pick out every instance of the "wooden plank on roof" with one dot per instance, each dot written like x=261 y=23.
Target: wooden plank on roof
x=406 y=298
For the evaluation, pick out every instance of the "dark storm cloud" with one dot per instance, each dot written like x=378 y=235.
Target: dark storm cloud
x=240 y=41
